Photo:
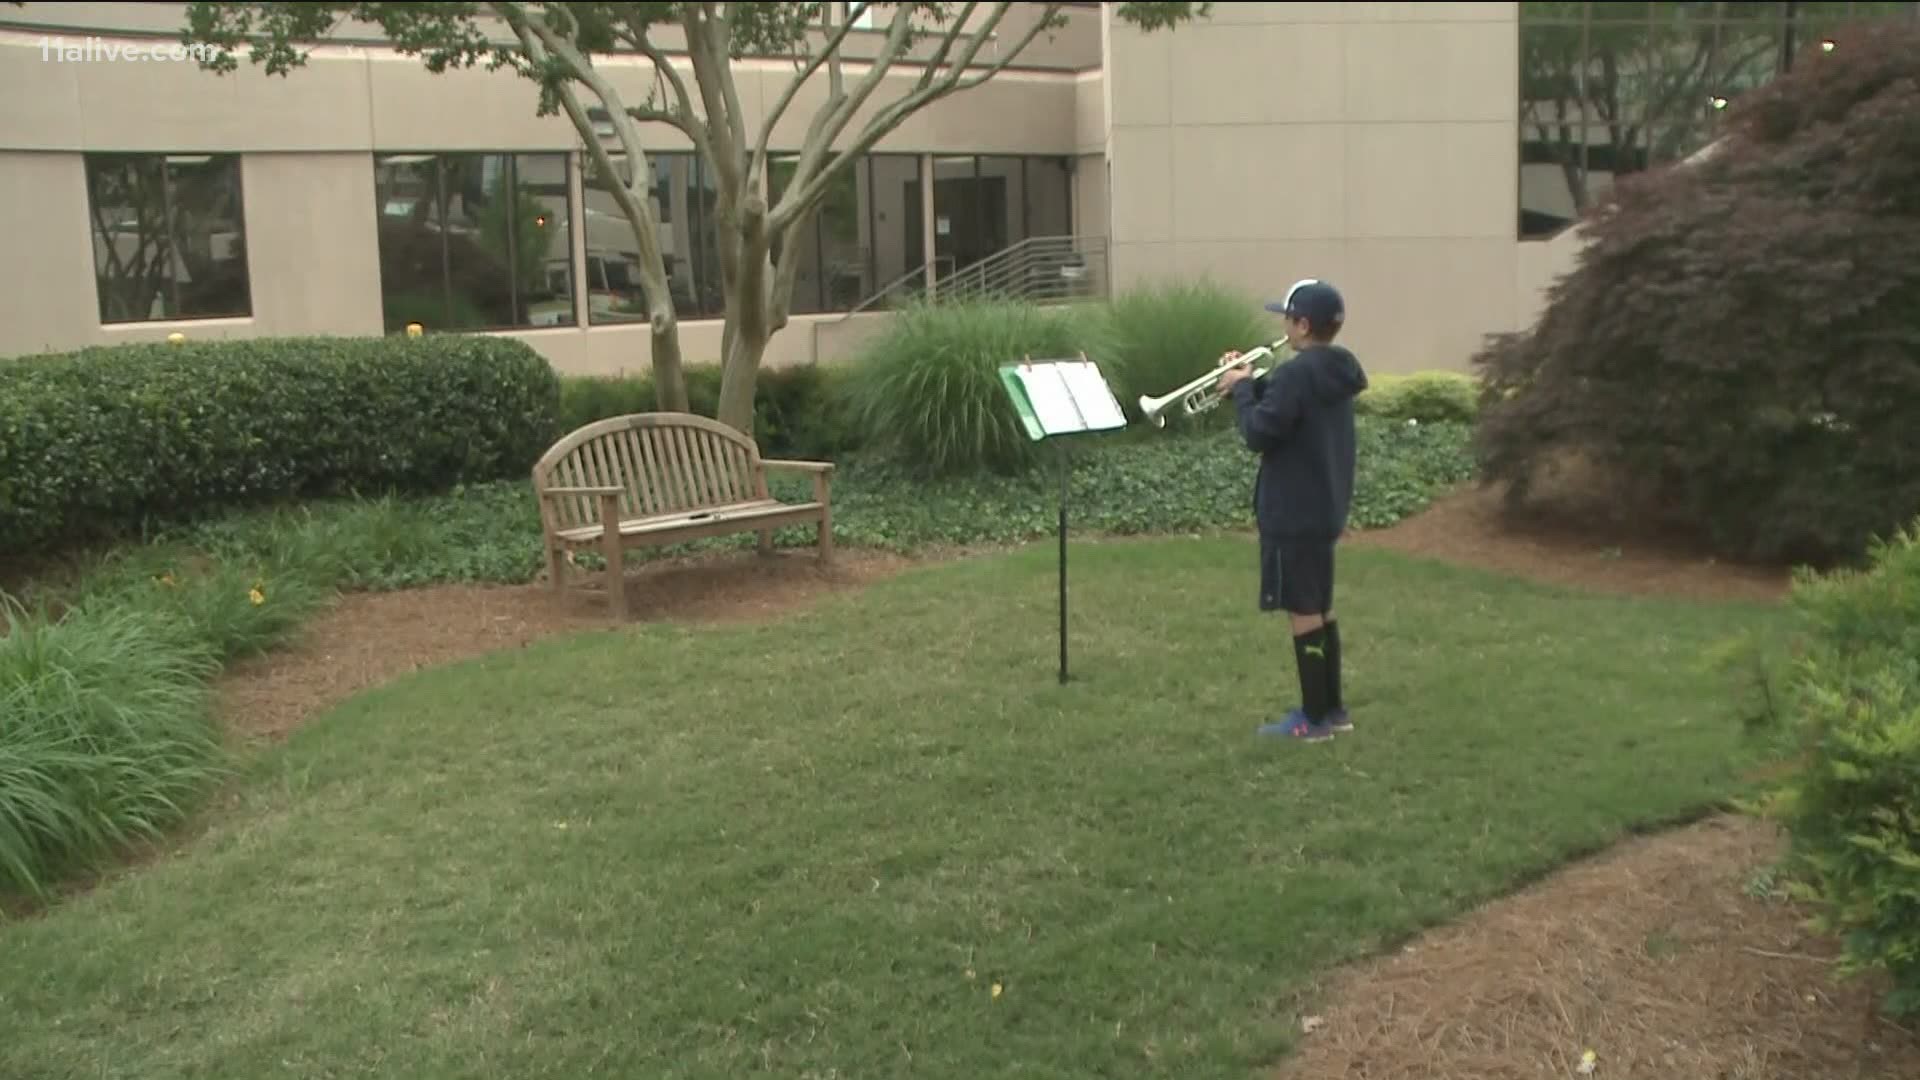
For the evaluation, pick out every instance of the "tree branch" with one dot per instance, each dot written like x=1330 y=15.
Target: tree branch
x=661 y=66
x=840 y=114
x=833 y=116
x=713 y=74
x=830 y=52
x=729 y=88
x=538 y=39
x=1012 y=54
x=939 y=56
x=805 y=194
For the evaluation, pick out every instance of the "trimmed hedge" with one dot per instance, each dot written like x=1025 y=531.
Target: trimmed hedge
x=1427 y=396
x=110 y=439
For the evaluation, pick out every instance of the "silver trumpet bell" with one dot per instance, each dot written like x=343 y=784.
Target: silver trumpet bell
x=1199 y=396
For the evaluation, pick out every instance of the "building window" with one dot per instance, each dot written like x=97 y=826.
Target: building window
x=169 y=236
x=1608 y=89
x=858 y=240
x=985 y=204
x=684 y=197
x=474 y=241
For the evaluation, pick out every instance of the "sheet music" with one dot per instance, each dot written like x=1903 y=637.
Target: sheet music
x=1051 y=398
x=1091 y=394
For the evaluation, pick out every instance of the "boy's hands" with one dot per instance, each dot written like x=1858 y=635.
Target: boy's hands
x=1230 y=378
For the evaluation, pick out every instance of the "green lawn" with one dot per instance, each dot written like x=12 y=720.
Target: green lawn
x=811 y=848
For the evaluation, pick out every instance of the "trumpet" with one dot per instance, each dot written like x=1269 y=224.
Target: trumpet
x=1195 y=397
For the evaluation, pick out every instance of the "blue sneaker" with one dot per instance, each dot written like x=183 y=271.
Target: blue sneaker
x=1295 y=725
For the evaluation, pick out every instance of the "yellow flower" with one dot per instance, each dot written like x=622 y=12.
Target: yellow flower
x=996 y=989
x=257 y=596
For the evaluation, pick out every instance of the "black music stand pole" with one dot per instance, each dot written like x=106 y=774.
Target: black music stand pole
x=1065 y=472
x=1054 y=399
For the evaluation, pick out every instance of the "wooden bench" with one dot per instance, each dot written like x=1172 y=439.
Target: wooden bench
x=663 y=478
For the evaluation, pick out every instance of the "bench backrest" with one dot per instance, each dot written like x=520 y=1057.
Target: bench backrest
x=662 y=462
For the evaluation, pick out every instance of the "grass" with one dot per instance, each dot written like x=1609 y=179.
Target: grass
x=812 y=848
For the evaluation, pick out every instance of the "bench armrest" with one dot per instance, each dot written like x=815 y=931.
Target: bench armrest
x=800 y=466
x=581 y=491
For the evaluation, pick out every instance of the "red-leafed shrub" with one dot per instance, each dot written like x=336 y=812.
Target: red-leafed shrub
x=1737 y=351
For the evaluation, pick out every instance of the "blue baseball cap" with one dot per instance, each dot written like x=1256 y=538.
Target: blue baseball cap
x=1315 y=301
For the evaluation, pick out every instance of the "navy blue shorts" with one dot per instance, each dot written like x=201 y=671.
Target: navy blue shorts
x=1296 y=576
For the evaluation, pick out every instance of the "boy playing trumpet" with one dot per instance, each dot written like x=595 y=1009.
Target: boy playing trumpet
x=1299 y=418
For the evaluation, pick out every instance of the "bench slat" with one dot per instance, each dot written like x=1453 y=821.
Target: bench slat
x=695 y=465
x=646 y=494
x=574 y=510
x=707 y=449
x=747 y=515
x=696 y=444
x=660 y=468
x=720 y=454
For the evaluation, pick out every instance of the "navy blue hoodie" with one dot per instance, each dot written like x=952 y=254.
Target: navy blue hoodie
x=1299 y=418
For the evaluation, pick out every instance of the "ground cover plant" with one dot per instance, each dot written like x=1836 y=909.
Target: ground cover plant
x=878 y=839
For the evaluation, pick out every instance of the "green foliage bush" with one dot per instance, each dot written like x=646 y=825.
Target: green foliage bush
x=106 y=739
x=1155 y=337
x=1737 y=350
x=110 y=439
x=926 y=389
x=1853 y=810
x=799 y=411
x=1426 y=396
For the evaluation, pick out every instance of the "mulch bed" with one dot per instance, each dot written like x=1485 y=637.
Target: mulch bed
x=1654 y=955
x=366 y=639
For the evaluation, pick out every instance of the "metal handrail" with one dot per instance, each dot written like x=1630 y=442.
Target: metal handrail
x=918 y=273
x=1037 y=268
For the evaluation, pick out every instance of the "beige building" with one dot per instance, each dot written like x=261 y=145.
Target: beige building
x=1425 y=157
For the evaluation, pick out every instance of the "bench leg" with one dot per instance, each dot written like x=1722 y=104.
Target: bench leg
x=556 y=567
x=766 y=541
x=616 y=578
x=823 y=494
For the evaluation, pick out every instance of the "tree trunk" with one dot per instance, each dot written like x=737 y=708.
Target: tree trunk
x=669 y=375
x=739 y=378
x=747 y=328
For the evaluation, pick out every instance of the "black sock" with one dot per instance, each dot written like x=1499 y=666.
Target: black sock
x=1334 y=703
x=1310 y=654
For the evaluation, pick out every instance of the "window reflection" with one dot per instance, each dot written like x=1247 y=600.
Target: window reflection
x=169 y=236
x=1608 y=89
x=474 y=241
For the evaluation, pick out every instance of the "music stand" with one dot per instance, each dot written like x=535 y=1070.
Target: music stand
x=1056 y=398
